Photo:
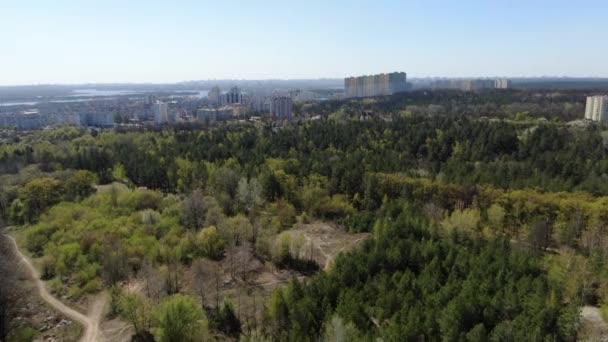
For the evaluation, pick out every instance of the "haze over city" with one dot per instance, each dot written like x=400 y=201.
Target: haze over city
x=141 y=41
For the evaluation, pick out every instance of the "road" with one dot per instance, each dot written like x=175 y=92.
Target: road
x=593 y=326
x=90 y=323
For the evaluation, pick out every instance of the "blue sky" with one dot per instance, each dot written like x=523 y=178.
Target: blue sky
x=161 y=41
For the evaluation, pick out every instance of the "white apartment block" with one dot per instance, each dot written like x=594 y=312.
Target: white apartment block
x=375 y=85
x=502 y=83
x=280 y=108
x=597 y=108
x=161 y=112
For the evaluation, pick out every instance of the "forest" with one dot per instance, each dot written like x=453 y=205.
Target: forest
x=486 y=216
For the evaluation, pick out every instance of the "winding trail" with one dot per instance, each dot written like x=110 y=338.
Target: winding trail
x=90 y=323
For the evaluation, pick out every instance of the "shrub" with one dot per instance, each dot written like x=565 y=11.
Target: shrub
x=210 y=243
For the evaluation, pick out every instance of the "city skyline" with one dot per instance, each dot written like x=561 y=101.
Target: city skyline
x=113 y=42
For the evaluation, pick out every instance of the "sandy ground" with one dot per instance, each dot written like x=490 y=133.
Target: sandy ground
x=324 y=241
x=593 y=327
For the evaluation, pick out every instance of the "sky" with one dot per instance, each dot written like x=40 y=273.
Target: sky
x=110 y=41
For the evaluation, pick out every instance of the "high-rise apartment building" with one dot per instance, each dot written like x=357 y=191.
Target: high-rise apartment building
x=502 y=83
x=597 y=108
x=375 y=85
x=233 y=96
x=161 y=112
x=214 y=96
x=471 y=84
x=280 y=108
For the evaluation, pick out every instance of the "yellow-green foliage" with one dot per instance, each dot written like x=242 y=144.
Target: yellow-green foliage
x=72 y=236
x=521 y=207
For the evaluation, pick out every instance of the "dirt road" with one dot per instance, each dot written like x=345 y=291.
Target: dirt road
x=90 y=323
x=593 y=326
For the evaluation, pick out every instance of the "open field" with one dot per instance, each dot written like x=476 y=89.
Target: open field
x=324 y=241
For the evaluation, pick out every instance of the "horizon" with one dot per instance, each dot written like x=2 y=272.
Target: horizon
x=142 y=43
x=518 y=78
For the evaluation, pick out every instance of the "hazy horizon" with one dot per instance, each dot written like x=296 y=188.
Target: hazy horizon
x=549 y=77
x=66 y=43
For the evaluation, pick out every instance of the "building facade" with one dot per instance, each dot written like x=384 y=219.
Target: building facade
x=233 y=96
x=161 y=112
x=502 y=83
x=214 y=96
x=375 y=85
x=280 y=108
x=597 y=108
x=471 y=84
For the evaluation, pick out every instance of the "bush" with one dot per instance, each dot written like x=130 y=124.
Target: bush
x=180 y=319
x=226 y=321
x=337 y=206
x=92 y=286
x=22 y=334
x=88 y=273
x=358 y=222
x=141 y=199
x=210 y=243
x=57 y=286
x=75 y=292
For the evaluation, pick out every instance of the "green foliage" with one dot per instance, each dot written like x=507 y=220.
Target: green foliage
x=80 y=185
x=226 y=320
x=533 y=182
x=38 y=195
x=138 y=311
x=210 y=243
x=22 y=334
x=338 y=331
x=421 y=285
x=180 y=319
x=466 y=220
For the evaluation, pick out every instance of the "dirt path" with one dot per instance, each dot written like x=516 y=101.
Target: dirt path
x=90 y=323
x=593 y=326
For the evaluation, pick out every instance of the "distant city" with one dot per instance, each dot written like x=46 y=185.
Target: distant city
x=209 y=102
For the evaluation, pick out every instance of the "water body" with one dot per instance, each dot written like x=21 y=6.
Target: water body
x=8 y=104
x=199 y=93
x=96 y=92
x=84 y=95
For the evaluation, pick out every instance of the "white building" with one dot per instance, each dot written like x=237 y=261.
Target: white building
x=161 y=112
x=211 y=115
x=597 y=108
x=280 y=108
x=214 y=96
x=502 y=83
x=375 y=85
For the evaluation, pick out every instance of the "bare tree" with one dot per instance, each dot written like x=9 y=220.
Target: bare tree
x=173 y=271
x=540 y=235
x=114 y=261
x=153 y=281
x=194 y=210
x=249 y=194
x=217 y=277
x=114 y=195
x=203 y=274
x=433 y=212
